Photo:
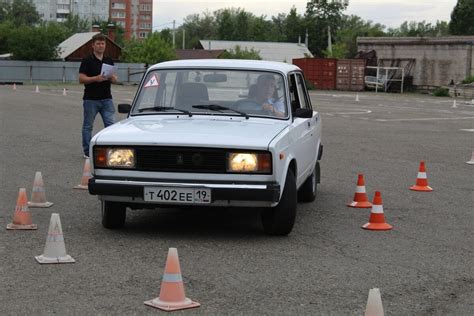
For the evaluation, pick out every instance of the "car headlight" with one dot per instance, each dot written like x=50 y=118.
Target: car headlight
x=114 y=157
x=248 y=162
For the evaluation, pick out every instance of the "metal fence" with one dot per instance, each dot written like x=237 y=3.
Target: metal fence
x=463 y=92
x=30 y=72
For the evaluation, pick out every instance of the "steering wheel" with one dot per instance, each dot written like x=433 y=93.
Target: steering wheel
x=252 y=106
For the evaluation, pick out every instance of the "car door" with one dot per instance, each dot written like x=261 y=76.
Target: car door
x=304 y=130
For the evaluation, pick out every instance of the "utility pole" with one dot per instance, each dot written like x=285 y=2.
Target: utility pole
x=306 y=39
x=329 y=40
x=184 y=39
x=174 y=26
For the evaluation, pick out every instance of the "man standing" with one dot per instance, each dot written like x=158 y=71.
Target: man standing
x=97 y=96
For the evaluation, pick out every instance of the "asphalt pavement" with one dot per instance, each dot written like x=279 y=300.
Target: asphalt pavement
x=326 y=266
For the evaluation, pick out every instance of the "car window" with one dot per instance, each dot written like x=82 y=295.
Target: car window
x=302 y=92
x=256 y=93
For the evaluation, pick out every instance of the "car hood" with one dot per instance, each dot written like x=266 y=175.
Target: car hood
x=200 y=131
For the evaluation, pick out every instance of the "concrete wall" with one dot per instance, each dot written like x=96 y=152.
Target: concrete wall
x=437 y=60
x=29 y=72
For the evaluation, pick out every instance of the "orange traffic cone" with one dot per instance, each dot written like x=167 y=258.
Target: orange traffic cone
x=172 y=295
x=22 y=216
x=64 y=91
x=38 y=195
x=360 y=196
x=421 y=180
x=377 y=219
x=37 y=90
x=86 y=175
x=374 y=303
x=471 y=162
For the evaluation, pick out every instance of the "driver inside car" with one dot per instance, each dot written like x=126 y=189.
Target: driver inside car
x=266 y=95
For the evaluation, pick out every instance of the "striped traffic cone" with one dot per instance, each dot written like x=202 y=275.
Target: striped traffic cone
x=55 y=249
x=86 y=175
x=38 y=194
x=360 y=197
x=172 y=295
x=21 y=216
x=421 y=180
x=377 y=218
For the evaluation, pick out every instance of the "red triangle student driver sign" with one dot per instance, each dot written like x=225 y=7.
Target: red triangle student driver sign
x=153 y=82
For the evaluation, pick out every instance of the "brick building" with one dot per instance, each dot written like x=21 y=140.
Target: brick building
x=135 y=16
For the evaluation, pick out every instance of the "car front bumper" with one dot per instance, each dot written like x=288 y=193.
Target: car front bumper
x=133 y=191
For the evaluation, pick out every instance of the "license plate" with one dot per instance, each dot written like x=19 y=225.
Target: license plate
x=177 y=195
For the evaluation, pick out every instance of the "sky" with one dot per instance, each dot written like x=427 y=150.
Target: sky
x=390 y=13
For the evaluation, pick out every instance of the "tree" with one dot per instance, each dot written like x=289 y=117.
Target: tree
x=6 y=29
x=462 y=18
x=421 y=29
x=76 y=25
x=352 y=27
x=20 y=12
x=36 y=43
x=239 y=53
x=151 y=50
x=321 y=15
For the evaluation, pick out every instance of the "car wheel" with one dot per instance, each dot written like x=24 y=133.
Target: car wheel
x=279 y=220
x=113 y=214
x=309 y=189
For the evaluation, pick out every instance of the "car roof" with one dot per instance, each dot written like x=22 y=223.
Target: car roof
x=228 y=64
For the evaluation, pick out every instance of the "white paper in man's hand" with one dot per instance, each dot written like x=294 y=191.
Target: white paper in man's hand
x=108 y=70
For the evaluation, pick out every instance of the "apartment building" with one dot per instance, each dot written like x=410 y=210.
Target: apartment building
x=135 y=16
x=58 y=10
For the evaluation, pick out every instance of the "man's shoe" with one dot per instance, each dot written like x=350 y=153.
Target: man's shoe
x=85 y=156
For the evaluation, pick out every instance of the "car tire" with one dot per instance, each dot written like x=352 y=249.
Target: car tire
x=113 y=214
x=309 y=189
x=279 y=220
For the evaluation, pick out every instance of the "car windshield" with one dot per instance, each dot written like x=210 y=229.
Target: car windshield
x=212 y=91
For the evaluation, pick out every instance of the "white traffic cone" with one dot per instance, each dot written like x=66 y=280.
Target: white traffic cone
x=38 y=195
x=454 y=106
x=64 y=91
x=14 y=86
x=357 y=97
x=374 y=303
x=471 y=162
x=55 y=249
x=37 y=90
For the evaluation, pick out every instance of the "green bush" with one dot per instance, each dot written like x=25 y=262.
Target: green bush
x=469 y=79
x=441 y=92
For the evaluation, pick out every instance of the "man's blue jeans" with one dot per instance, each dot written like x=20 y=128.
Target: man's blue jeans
x=91 y=108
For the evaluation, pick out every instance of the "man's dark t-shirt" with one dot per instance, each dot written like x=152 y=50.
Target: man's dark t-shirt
x=91 y=66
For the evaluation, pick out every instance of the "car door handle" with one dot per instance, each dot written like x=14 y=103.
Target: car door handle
x=309 y=124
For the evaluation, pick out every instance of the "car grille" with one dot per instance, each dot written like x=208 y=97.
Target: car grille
x=180 y=159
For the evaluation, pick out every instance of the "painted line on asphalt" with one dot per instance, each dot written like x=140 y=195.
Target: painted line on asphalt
x=467 y=130
x=426 y=119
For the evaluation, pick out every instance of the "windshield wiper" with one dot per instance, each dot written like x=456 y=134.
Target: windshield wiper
x=219 y=108
x=164 y=108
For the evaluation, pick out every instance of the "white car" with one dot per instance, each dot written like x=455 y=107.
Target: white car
x=198 y=133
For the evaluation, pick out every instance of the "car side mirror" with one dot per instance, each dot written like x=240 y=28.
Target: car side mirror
x=303 y=113
x=124 y=108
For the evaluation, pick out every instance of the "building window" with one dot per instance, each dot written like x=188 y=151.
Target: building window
x=61 y=15
x=118 y=14
x=63 y=6
x=118 y=5
x=142 y=34
x=145 y=25
x=121 y=23
x=145 y=17
x=145 y=7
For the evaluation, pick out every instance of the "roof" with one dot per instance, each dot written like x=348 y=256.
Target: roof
x=69 y=45
x=228 y=64
x=417 y=40
x=198 y=53
x=273 y=51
